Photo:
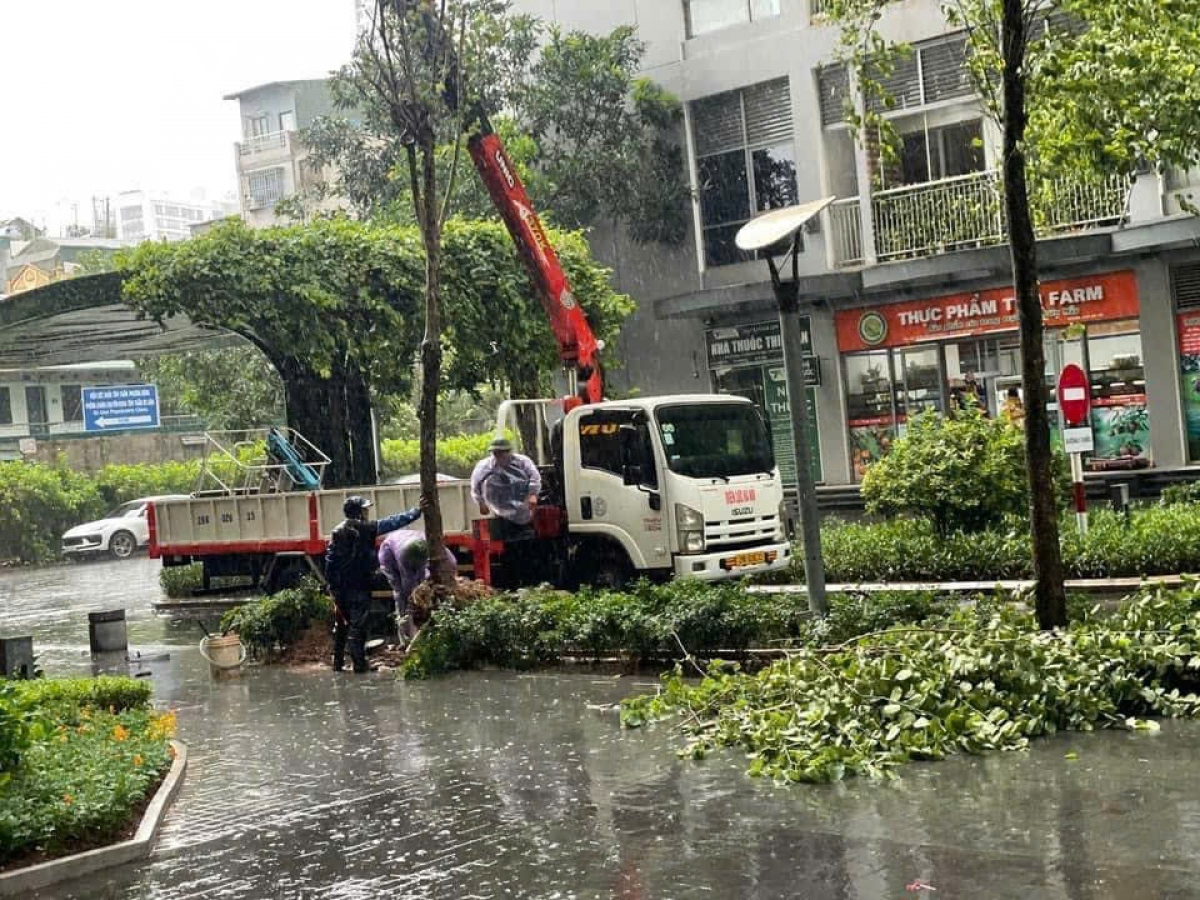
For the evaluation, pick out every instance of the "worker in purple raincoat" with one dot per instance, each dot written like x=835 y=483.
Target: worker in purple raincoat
x=404 y=561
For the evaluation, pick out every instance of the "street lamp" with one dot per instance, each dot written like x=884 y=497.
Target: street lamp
x=780 y=232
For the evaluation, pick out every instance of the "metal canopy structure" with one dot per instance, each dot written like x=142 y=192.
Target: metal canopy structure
x=81 y=320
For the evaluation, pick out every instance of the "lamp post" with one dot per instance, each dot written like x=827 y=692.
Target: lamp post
x=770 y=233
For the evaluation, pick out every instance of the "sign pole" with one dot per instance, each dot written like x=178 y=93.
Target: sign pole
x=788 y=296
x=1081 y=518
x=1075 y=405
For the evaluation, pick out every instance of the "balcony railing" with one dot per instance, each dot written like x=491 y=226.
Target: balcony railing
x=265 y=143
x=968 y=211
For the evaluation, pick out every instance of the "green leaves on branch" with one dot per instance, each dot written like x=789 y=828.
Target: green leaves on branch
x=593 y=142
x=983 y=680
x=965 y=472
x=338 y=289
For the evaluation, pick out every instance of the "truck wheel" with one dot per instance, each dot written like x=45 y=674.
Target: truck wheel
x=612 y=571
x=122 y=545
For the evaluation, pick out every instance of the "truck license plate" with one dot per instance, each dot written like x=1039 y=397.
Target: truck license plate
x=741 y=560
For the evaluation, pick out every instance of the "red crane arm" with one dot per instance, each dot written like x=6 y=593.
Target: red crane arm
x=577 y=345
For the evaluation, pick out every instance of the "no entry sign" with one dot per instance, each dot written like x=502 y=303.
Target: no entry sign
x=1074 y=396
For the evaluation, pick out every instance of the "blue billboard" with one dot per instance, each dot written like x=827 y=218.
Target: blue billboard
x=120 y=407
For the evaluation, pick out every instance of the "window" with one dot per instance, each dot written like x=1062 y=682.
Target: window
x=713 y=440
x=287 y=121
x=746 y=162
x=935 y=71
x=600 y=444
x=257 y=126
x=72 y=403
x=5 y=406
x=266 y=187
x=945 y=152
x=704 y=16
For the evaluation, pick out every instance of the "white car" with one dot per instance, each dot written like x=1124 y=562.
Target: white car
x=122 y=532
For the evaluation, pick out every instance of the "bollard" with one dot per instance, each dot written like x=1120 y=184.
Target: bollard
x=106 y=631
x=16 y=657
x=1118 y=495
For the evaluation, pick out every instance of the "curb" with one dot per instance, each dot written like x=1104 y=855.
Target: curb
x=25 y=881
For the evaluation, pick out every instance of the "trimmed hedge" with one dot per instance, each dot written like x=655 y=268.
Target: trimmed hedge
x=1159 y=540
x=650 y=623
x=456 y=456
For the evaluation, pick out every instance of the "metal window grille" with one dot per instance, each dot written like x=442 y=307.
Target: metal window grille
x=1185 y=285
x=266 y=186
x=833 y=85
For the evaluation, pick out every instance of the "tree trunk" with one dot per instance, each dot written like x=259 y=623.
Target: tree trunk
x=431 y=369
x=317 y=408
x=360 y=428
x=524 y=384
x=1047 y=557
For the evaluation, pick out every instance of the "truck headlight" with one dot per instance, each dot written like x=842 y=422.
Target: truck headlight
x=690 y=525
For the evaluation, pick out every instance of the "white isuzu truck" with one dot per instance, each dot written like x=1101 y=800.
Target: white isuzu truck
x=674 y=486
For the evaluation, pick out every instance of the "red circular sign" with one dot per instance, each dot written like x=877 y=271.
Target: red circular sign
x=1074 y=395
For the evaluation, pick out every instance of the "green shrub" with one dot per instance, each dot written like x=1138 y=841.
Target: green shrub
x=964 y=472
x=986 y=680
x=651 y=623
x=279 y=619
x=456 y=456
x=180 y=581
x=120 y=483
x=63 y=698
x=1181 y=493
x=40 y=502
x=15 y=734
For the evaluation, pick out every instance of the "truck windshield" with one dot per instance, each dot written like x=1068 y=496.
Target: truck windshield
x=715 y=440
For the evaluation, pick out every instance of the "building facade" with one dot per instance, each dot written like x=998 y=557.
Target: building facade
x=147 y=216
x=271 y=158
x=905 y=275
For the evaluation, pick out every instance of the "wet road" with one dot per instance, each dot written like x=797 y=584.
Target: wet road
x=304 y=784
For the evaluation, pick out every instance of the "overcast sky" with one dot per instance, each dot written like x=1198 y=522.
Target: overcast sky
x=102 y=97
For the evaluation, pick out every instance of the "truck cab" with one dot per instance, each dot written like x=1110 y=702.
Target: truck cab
x=682 y=485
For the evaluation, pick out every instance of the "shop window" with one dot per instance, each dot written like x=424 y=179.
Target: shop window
x=918 y=379
x=72 y=403
x=1120 y=420
x=869 y=408
x=5 y=406
x=745 y=162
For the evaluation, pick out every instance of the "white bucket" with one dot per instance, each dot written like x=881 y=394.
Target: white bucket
x=225 y=654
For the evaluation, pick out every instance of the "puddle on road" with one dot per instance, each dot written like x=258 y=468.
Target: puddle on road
x=306 y=784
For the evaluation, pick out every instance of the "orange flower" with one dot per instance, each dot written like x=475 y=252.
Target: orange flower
x=68 y=799
x=120 y=733
x=137 y=759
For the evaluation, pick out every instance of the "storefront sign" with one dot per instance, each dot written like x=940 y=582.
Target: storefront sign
x=779 y=414
x=1092 y=299
x=753 y=344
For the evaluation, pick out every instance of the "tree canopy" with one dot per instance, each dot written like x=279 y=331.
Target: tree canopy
x=592 y=140
x=336 y=306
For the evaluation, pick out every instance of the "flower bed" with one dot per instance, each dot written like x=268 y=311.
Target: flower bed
x=79 y=760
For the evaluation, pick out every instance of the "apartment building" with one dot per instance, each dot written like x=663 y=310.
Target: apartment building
x=905 y=274
x=156 y=216
x=271 y=158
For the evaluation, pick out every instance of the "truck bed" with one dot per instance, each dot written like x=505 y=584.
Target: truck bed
x=298 y=521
